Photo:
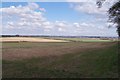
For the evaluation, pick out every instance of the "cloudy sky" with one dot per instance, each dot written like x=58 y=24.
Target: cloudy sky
x=56 y=18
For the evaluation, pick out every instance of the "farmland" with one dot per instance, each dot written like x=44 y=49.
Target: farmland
x=66 y=58
x=85 y=39
x=29 y=39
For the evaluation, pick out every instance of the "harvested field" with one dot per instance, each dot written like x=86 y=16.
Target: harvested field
x=29 y=39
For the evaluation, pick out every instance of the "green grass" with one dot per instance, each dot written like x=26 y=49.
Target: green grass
x=91 y=63
x=30 y=44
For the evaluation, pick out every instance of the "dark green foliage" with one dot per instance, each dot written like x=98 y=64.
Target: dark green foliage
x=114 y=15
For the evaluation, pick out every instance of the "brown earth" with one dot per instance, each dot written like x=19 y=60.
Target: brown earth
x=18 y=53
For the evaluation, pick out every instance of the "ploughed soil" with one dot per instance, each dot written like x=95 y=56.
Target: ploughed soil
x=26 y=50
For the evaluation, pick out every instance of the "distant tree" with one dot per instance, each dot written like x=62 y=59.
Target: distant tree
x=17 y=35
x=114 y=13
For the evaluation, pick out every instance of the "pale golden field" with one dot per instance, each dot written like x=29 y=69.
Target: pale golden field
x=28 y=39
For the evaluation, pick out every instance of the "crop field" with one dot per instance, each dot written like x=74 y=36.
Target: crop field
x=65 y=59
x=28 y=39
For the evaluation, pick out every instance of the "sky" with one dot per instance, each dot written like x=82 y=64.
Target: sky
x=56 y=18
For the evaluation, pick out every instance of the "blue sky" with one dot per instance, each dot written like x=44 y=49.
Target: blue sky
x=55 y=18
x=55 y=11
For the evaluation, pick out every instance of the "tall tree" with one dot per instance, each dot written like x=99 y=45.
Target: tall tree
x=114 y=13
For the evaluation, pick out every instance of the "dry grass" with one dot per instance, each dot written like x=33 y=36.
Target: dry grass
x=24 y=50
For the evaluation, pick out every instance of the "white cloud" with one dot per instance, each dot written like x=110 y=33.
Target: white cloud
x=33 y=6
x=42 y=9
x=61 y=29
x=62 y=25
x=80 y=0
x=47 y=25
x=15 y=10
x=23 y=16
x=89 y=8
x=76 y=25
x=10 y=23
x=93 y=1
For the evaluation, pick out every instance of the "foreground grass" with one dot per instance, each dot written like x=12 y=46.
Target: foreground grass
x=91 y=63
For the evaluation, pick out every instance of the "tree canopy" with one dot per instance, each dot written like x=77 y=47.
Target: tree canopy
x=114 y=13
